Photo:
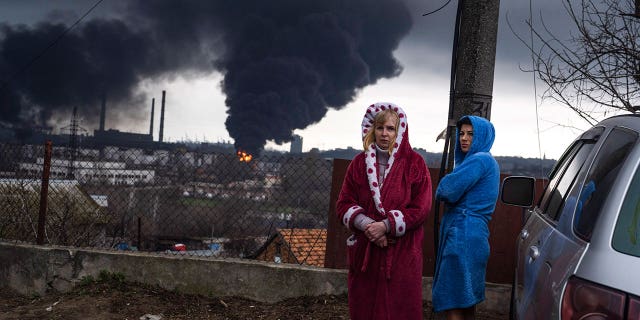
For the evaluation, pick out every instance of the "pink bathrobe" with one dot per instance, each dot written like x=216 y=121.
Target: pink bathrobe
x=386 y=283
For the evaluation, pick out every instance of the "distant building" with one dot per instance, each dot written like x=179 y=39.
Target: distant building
x=296 y=144
x=113 y=137
x=90 y=171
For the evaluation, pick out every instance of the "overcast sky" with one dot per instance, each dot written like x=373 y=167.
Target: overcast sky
x=195 y=101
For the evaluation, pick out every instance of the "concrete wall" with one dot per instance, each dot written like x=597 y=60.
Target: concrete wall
x=30 y=269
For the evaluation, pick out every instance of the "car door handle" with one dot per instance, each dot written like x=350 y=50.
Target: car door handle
x=524 y=234
x=534 y=253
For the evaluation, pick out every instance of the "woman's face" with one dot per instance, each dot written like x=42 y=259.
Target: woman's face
x=466 y=137
x=386 y=132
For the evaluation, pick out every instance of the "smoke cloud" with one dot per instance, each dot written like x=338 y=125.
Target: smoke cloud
x=285 y=62
x=101 y=57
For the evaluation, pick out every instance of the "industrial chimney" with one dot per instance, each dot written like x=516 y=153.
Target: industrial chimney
x=103 y=111
x=162 y=118
x=153 y=102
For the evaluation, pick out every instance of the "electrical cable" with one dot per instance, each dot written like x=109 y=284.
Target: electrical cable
x=535 y=88
x=445 y=152
x=436 y=10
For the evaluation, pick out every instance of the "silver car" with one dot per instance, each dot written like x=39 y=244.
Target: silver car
x=579 y=249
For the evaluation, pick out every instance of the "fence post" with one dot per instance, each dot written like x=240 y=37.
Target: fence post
x=44 y=190
x=139 y=229
x=336 y=247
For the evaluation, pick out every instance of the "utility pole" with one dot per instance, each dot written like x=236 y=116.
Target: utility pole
x=472 y=66
x=636 y=13
x=74 y=129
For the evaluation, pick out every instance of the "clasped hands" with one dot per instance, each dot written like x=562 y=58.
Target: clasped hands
x=376 y=233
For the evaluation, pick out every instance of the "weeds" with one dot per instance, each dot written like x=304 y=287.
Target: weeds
x=111 y=279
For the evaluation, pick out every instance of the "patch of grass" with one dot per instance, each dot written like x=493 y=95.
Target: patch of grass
x=111 y=277
x=104 y=279
x=87 y=281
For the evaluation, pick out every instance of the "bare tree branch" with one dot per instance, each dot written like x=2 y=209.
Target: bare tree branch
x=596 y=72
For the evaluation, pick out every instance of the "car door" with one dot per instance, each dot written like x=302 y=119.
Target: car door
x=540 y=241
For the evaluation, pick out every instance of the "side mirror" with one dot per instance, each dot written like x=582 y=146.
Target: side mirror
x=518 y=191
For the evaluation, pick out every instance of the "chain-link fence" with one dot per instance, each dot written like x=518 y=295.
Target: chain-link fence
x=176 y=201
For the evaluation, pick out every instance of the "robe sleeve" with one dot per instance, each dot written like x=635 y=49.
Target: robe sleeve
x=456 y=184
x=413 y=214
x=348 y=204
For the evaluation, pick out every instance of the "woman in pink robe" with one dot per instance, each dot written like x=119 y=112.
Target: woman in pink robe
x=384 y=201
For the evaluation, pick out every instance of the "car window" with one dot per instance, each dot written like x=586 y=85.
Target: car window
x=600 y=179
x=557 y=171
x=626 y=236
x=557 y=200
x=589 y=137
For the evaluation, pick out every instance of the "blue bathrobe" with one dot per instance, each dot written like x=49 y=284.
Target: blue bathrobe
x=470 y=192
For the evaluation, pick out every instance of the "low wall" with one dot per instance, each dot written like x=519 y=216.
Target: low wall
x=30 y=269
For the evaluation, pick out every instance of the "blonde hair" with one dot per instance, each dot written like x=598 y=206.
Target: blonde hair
x=380 y=119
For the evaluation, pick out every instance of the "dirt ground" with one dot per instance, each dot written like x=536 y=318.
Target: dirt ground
x=115 y=298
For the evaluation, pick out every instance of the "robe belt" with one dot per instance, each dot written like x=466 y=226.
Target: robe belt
x=365 y=262
x=388 y=260
x=389 y=257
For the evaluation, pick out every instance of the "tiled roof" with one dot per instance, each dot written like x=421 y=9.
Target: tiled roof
x=308 y=245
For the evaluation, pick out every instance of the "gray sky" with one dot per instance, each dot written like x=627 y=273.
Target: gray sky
x=196 y=107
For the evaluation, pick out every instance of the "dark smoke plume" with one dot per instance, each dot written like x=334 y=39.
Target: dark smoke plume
x=100 y=57
x=285 y=62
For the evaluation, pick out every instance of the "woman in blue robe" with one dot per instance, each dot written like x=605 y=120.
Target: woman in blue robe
x=469 y=192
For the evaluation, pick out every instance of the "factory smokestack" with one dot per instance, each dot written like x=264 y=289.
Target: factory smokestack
x=162 y=117
x=103 y=111
x=153 y=103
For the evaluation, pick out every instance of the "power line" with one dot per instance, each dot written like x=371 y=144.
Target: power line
x=535 y=88
x=434 y=11
x=53 y=43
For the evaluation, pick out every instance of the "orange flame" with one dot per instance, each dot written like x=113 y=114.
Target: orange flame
x=243 y=156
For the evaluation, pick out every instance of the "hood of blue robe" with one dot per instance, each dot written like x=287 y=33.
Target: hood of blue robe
x=483 y=136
